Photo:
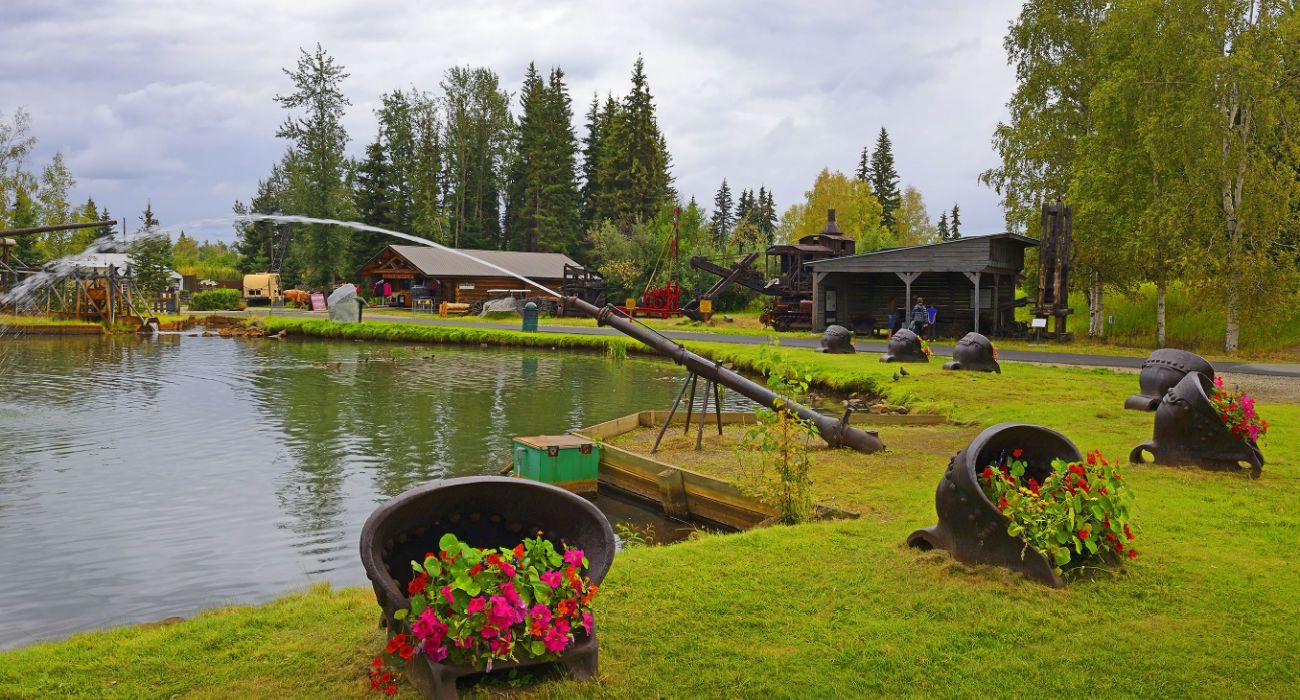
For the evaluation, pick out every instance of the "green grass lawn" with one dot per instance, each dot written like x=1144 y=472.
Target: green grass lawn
x=841 y=609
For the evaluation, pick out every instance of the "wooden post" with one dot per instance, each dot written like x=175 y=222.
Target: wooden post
x=974 y=277
x=997 y=301
x=672 y=493
x=1062 y=291
x=908 y=278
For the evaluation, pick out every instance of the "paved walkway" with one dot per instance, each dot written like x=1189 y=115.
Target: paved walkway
x=1047 y=356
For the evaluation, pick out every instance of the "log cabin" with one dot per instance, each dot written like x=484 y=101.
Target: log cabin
x=414 y=272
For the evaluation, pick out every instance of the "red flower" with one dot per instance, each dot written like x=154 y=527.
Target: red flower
x=407 y=652
x=1083 y=534
x=1002 y=503
x=1132 y=554
x=389 y=690
x=395 y=643
x=518 y=551
x=1092 y=458
x=1119 y=547
x=1127 y=532
x=377 y=662
x=1017 y=453
x=417 y=584
x=475 y=570
x=988 y=473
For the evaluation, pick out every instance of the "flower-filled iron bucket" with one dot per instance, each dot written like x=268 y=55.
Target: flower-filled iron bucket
x=836 y=340
x=1188 y=430
x=970 y=526
x=1161 y=371
x=905 y=346
x=484 y=512
x=974 y=352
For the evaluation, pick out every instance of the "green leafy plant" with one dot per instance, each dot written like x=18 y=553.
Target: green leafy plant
x=633 y=536
x=471 y=607
x=216 y=300
x=1077 y=517
x=774 y=453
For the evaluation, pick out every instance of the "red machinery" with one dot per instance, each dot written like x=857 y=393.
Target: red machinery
x=665 y=301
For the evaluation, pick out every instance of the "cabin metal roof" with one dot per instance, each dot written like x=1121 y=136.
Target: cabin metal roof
x=435 y=262
x=969 y=254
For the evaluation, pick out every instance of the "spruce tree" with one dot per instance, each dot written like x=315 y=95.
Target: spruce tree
x=884 y=178
x=767 y=215
x=942 y=227
x=476 y=143
x=721 y=222
x=639 y=156
x=151 y=254
x=591 y=145
x=954 y=231
x=864 y=165
x=745 y=206
x=318 y=166
x=543 y=209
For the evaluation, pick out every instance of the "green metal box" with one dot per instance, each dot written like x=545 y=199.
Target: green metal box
x=567 y=461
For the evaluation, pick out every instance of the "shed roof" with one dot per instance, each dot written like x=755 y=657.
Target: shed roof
x=969 y=254
x=435 y=262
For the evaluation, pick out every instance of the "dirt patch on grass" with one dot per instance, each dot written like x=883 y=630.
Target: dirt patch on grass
x=841 y=477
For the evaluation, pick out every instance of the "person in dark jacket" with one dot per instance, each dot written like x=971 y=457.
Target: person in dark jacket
x=919 y=316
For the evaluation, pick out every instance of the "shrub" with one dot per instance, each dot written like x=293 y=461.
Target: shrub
x=216 y=300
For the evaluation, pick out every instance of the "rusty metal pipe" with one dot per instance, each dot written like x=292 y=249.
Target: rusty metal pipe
x=835 y=431
x=56 y=227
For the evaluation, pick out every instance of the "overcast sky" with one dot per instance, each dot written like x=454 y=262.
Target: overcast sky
x=171 y=101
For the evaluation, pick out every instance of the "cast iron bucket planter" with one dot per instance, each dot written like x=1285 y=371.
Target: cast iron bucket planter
x=1163 y=369
x=970 y=527
x=904 y=346
x=974 y=352
x=482 y=511
x=1188 y=430
x=837 y=340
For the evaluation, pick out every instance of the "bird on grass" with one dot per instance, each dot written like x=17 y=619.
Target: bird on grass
x=902 y=371
x=895 y=376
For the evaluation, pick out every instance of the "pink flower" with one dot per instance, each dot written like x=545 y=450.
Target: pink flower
x=501 y=614
x=507 y=569
x=508 y=590
x=556 y=640
x=573 y=557
x=436 y=653
x=551 y=578
x=429 y=628
x=446 y=593
x=586 y=622
x=475 y=605
x=541 y=615
x=1218 y=381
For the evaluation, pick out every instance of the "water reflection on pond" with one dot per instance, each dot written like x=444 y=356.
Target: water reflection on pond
x=143 y=478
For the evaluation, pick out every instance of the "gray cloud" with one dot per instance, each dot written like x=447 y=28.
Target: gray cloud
x=172 y=101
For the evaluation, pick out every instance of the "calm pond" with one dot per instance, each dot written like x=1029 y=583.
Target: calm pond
x=142 y=478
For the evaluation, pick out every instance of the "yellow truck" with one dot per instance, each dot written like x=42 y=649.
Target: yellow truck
x=262 y=288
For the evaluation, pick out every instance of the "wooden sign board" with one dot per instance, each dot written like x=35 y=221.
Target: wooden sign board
x=317 y=302
x=1038 y=323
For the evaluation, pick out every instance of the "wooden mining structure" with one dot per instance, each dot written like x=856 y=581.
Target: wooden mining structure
x=105 y=294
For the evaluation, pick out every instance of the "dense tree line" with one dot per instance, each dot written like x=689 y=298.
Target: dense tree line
x=457 y=167
x=1169 y=125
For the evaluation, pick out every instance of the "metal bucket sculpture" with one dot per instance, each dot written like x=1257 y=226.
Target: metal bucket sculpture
x=974 y=352
x=1163 y=369
x=905 y=346
x=970 y=526
x=1188 y=430
x=836 y=340
x=483 y=511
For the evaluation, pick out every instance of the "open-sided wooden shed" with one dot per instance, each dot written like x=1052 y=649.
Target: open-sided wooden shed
x=970 y=281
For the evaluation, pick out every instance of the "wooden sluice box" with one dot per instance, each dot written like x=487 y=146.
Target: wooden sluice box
x=571 y=462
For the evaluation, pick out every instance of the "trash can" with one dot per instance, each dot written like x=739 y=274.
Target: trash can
x=530 y=316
